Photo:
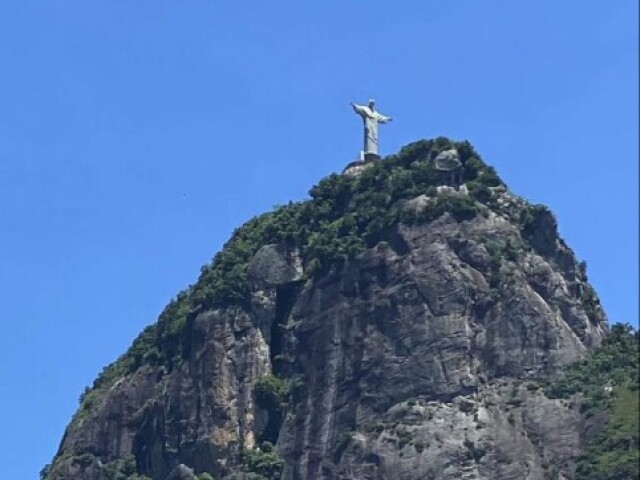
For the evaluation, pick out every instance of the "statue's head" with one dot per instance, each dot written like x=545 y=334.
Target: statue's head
x=372 y=103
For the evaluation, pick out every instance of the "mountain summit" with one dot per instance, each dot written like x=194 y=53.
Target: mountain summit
x=400 y=324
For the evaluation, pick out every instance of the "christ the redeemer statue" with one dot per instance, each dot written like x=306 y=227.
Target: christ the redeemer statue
x=371 y=118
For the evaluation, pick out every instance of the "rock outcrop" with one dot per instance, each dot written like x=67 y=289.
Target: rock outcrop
x=418 y=357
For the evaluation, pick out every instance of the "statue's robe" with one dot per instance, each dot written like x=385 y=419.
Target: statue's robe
x=371 y=118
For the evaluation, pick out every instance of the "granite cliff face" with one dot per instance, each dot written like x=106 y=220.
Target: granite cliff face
x=389 y=328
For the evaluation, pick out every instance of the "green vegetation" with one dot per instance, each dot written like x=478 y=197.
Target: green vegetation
x=271 y=394
x=263 y=463
x=613 y=454
x=85 y=460
x=404 y=437
x=614 y=363
x=539 y=228
x=479 y=191
x=121 y=469
x=205 y=476
x=608 y=383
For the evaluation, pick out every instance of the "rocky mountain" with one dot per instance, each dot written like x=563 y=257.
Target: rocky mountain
x=402 y=323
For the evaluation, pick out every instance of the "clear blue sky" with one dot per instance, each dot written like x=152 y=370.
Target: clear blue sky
x=134 y=136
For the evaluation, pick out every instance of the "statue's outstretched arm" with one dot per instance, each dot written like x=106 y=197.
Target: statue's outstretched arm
x=359 y=109
x=384 y=118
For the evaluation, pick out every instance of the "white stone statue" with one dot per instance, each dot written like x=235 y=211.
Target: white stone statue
x=371 y=119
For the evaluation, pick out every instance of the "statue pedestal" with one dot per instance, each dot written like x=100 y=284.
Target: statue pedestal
x=371 y=157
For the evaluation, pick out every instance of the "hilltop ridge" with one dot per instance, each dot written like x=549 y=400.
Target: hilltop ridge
x=339 y=336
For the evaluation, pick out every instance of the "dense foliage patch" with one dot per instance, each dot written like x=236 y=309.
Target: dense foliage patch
x=263 y=463
x=608 y=383
x=121 y=469
x=271 y=394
